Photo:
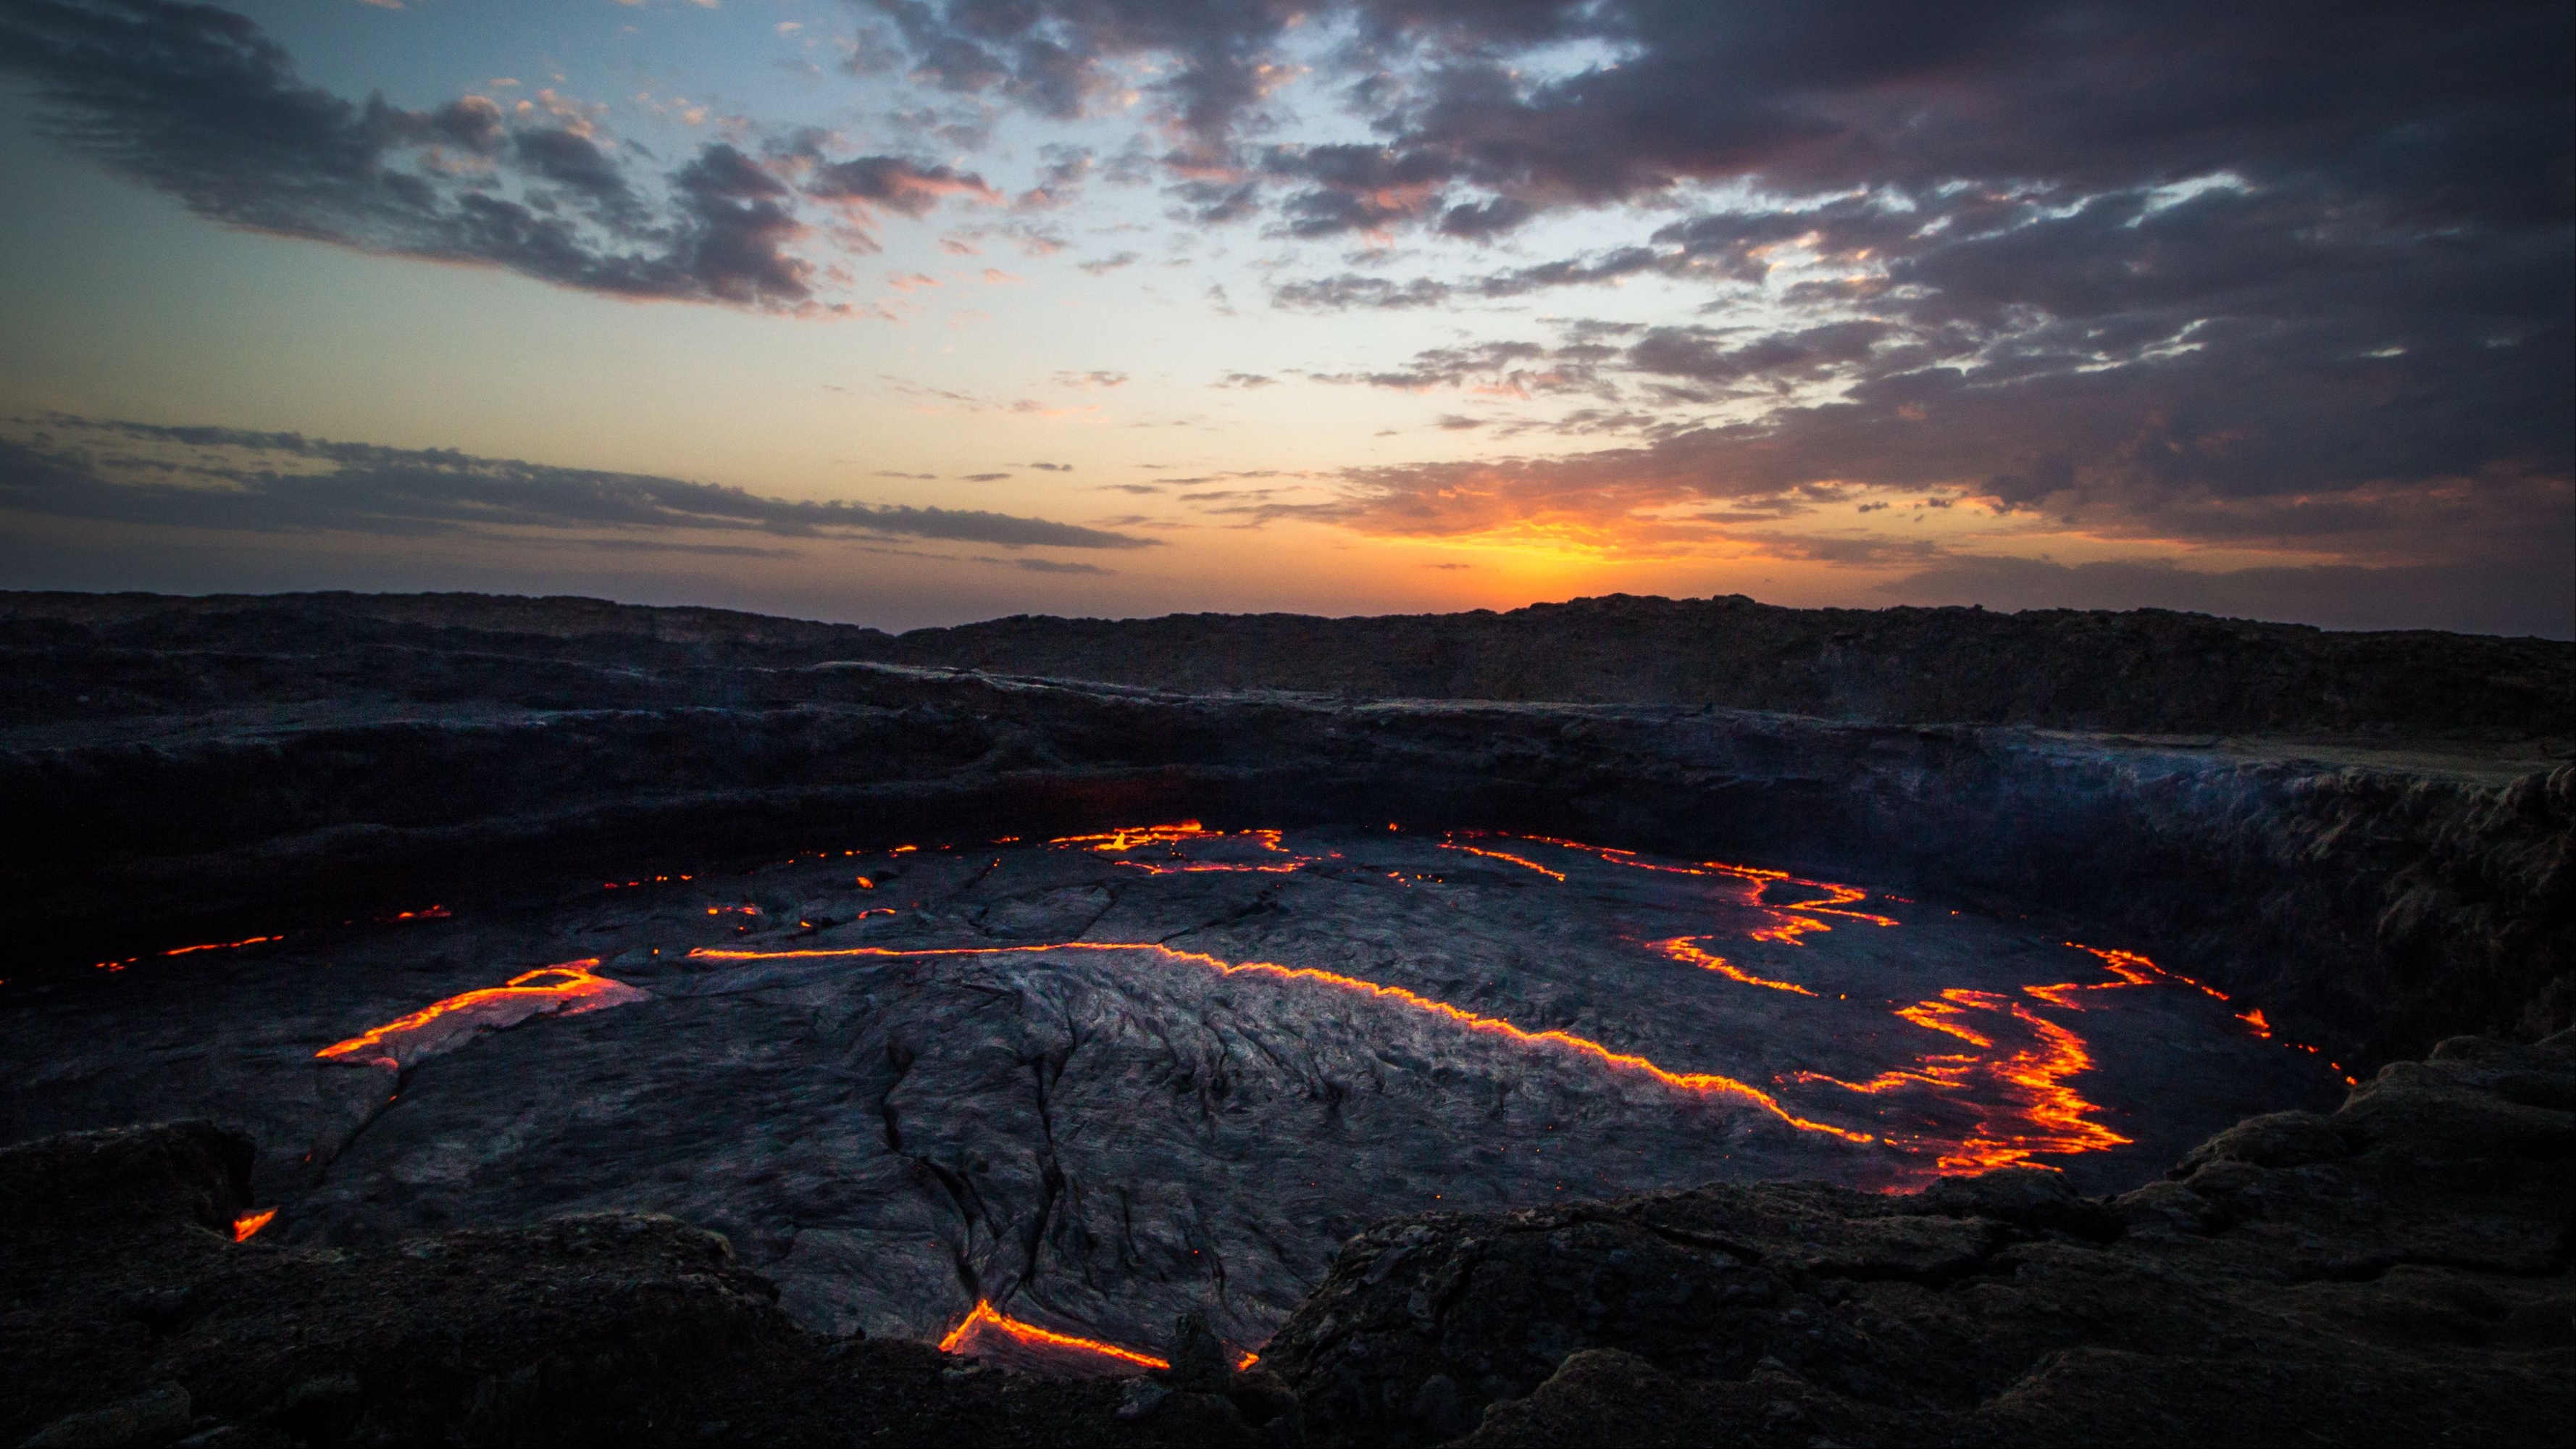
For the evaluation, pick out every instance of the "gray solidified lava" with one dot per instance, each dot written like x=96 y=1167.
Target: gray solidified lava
x=1096 y=1139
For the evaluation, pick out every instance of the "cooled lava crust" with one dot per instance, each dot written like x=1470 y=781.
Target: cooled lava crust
x=2363 y=840
x=2396 y=1272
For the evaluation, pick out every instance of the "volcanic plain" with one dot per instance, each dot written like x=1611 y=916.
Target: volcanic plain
x=1343 y=1032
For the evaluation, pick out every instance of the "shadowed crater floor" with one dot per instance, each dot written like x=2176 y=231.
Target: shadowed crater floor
x=1102 y=1080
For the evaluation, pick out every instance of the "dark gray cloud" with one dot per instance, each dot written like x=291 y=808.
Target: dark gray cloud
x=201 y=104
x=2464 y=105
x=1050 y=566
x=891 y=183
x=225 y=478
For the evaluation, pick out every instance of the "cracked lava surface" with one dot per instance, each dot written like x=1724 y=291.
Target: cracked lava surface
x=1033 y=1099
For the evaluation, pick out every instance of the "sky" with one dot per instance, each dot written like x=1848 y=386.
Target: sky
x=913 y=312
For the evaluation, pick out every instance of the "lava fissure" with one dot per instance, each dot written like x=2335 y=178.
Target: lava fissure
x=1701 y=1083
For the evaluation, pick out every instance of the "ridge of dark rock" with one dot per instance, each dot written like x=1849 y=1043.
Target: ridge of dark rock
x=2394 y=1273
x=2143 y=670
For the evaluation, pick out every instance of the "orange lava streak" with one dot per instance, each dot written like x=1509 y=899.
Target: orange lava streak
x=2036 y=1073
x=2255 y=1020
x=190 y=951
x=1704 y=1083
x=572 y=989
x=1132 y=836
x=1793 y=920
x=222 y=945
x=1681 y=949
x=987 y=1318
x=1498 y=855
x=1942 y=1016
x=1186 y=867
x=2129 y=963
x=249 y=1223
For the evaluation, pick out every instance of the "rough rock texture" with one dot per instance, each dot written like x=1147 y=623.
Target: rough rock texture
x=2398 y=1272
x=125 y=1302
x=1095 y=1140
x=2144 y=670
x=2395 y=1273
x=214 y=771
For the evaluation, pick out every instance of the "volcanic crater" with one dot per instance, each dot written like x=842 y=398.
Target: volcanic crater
x=1026 y=1016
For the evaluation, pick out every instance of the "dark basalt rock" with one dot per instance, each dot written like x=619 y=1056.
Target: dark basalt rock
x=604 y=1329
x=2395 y=1273
x=2387 y=864
x=2149 y=670
x=2372 y=900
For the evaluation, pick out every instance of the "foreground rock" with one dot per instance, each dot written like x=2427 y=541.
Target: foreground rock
x=129 y=1316
x=2395 y=1273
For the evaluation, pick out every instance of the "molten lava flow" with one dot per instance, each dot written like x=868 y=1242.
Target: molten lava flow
x=249 y=1223
x=1701 y=1083
x=1186 y=832
x=565 y=990
x=189 y=951
x=1683 y=949
x=222 y=945
x=2254 y=1018
x=1789 y=921
x=2008 y=1099
x=987 y=1322
x=1499 y=855
x=2040 y=1113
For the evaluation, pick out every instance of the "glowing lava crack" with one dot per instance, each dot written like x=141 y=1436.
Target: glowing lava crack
x=562 y=990
x=1704 y=1083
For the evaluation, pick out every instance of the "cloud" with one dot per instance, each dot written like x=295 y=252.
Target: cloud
x=201 y=104
x=221 y=478
x=1057 y=566
x=1050 y=566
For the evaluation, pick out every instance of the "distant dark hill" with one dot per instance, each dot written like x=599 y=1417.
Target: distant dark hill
x=2144 y=671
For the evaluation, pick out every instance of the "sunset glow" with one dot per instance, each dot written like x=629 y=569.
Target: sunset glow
x=1345 y=308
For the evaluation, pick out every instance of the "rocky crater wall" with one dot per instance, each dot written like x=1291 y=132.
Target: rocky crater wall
x=2374 y=909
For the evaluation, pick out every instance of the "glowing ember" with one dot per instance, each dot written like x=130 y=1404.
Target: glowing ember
x=249 y=1223
x=564 y=990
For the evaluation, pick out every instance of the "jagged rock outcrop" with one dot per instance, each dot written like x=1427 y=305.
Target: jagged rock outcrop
x=2397 y=1272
